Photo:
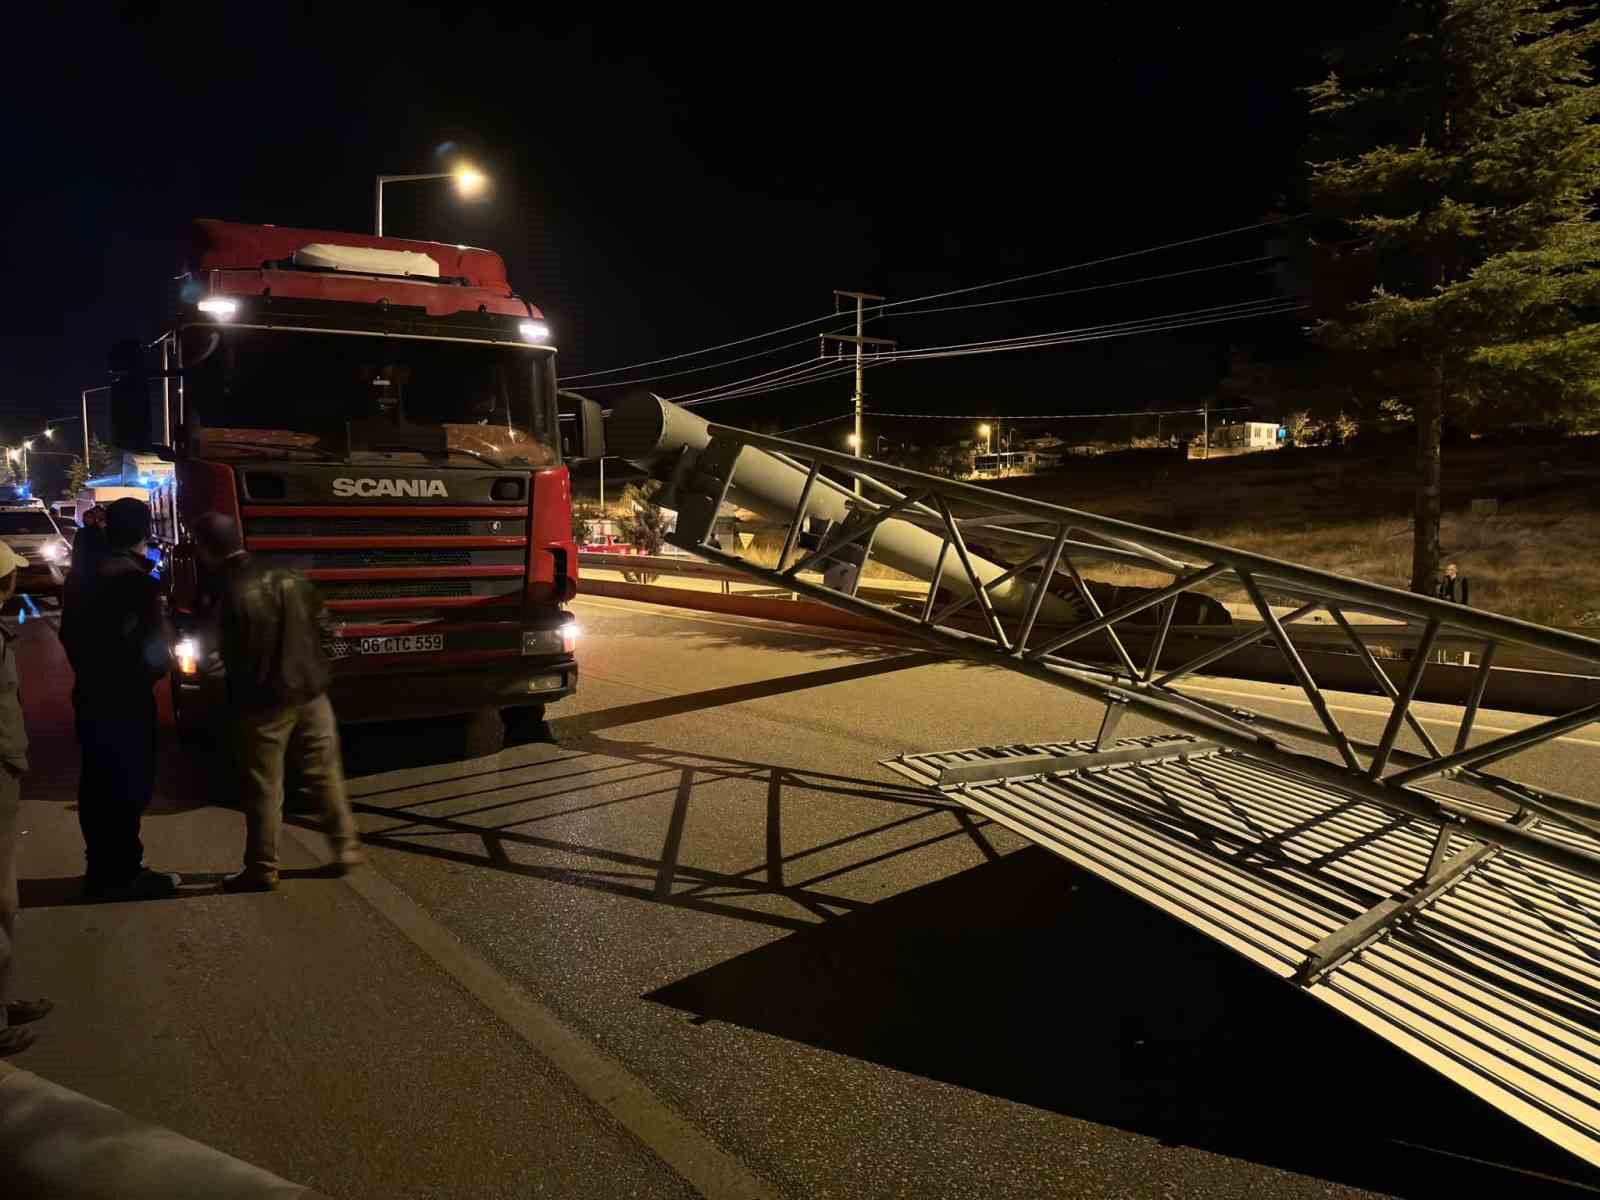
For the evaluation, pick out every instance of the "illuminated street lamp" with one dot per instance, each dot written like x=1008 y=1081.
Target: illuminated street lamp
x=988 y=444
x=853 y=442
x=469 y=182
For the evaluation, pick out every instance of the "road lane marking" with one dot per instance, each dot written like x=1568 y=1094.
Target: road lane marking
x=1383 y=713
x=710 y=1169
x=677 y=614
x=831 y=636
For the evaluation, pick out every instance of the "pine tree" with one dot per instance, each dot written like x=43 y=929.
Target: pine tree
x=644 y=525
x=102 y=460
x=1457 y=259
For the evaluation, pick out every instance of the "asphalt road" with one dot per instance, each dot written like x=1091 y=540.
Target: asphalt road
x=844 y=985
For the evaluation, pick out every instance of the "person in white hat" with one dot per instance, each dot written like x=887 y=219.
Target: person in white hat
x=13 y=765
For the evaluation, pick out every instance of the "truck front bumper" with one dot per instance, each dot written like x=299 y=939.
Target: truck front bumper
x=368 y=697
x=406 y=695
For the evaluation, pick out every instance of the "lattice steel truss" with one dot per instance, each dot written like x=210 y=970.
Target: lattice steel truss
x=1050 y=543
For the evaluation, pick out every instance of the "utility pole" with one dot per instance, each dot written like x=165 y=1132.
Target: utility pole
x=1205 y=445
x=861 y=341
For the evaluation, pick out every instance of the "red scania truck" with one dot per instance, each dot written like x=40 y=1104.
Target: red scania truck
x=382 y=415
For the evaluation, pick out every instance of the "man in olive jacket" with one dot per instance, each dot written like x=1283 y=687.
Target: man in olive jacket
x=270 y=638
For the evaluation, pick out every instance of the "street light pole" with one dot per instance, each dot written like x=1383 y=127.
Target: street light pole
x=85 y=419
x=469 y=182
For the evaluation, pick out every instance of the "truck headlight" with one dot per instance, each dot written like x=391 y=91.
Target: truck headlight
x=561 y=640
x=186 y=654
x=53 y=551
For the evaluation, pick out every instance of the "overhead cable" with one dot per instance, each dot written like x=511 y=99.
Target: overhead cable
x=757 y=337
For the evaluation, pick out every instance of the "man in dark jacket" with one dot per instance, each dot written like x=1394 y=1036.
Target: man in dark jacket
x=115 y=639
x=88 y=548
x=270 y=635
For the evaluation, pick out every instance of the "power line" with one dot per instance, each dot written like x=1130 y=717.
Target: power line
x=1228 y=312
x=813 y=424
x=805 y=364
x=1093 y=287
x=779 y=385
x=1147 y=412
x=797 y=374
x=1097 y=262
x=941 y=295
x=594 y=387
x=755 y=337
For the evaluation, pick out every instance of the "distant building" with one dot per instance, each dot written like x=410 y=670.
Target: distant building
x=1248 y=435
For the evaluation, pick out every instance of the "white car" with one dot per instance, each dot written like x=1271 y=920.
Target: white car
x=32 y=532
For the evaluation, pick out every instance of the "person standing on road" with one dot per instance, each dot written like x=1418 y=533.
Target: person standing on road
x=88 y=548
x=269 y=626
x=115 y=639
x=13 y=765
x=1452 y=585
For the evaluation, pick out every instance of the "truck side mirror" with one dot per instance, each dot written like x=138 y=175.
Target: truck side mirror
x=130 y=397
x=583 y=427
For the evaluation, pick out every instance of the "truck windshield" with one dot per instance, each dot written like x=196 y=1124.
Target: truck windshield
x=332 y=394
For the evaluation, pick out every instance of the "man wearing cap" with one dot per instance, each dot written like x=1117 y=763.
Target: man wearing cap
x=116 y=642
x=13 y=765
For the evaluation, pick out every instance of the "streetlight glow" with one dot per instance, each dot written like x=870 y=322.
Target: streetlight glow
x=853 y=441
x=468 y=179
x=983 y=431
x=50 y=433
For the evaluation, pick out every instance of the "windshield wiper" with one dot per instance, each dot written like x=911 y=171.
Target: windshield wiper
x=326 y=455
x=448 y=450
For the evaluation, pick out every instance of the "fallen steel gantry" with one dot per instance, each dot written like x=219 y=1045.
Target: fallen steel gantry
x=1451 y=908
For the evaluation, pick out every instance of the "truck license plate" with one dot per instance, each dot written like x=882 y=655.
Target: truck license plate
x=405 y=643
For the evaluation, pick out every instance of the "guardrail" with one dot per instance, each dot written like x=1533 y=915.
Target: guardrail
x=1392 y=644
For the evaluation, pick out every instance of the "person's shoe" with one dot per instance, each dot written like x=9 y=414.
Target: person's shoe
x=21 y=1012
x=347 y=860
x=153 y=885
x=14 y=1040
x=250 y=881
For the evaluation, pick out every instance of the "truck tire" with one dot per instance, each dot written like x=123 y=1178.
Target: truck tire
x=526 y=724
x=190 y=731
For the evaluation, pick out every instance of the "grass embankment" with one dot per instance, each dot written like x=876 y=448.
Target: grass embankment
x=1348 y=511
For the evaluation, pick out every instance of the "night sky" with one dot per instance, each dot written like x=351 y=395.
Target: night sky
x=665 y=182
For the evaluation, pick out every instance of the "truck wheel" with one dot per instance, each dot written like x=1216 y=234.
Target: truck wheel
x=525 y=725
x=190 y=731
x=483 y=733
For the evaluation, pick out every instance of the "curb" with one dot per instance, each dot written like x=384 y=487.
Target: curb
x=55 y=1142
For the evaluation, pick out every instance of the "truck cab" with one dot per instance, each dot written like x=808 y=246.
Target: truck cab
x=380 y=415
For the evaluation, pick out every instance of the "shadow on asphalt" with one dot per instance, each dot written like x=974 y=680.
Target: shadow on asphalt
x=399 y=745
x=1027 y=979
x=562 y=783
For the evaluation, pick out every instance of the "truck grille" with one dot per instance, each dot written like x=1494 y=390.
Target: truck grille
x=383 y=527
x=397 y=587
x=391 y=558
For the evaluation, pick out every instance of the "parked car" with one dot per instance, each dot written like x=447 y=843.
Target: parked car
x=608 y=543
x=32 y=532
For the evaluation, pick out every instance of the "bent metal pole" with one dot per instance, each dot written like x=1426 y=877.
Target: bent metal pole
x=651 y=433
